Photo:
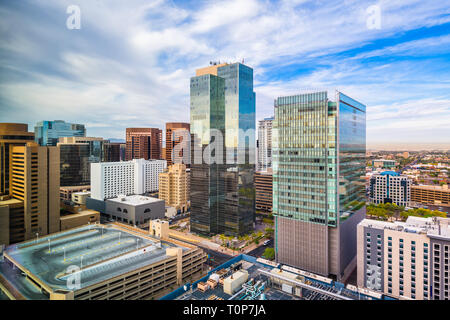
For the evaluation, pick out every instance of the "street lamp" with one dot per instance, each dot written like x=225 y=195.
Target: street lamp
x=37 y=236
x=48 y=245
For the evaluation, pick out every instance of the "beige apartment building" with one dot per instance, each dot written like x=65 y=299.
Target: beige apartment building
x=173 y=187
x=434 y=195
x=34 y=174
x=11 y=134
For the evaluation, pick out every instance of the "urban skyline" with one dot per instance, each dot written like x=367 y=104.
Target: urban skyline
x=225 y=150
x=393 y=64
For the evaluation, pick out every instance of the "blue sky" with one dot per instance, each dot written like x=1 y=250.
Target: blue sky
x=129 y=65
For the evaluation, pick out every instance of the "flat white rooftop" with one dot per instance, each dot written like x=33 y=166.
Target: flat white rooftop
x=135 y=200
x=87 y=193
x=440 y=227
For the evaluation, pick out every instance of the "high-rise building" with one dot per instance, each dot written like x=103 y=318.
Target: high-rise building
x=47 y=133
x=173 y=187
x=172 y=140
x=223 y=104
x=265 y=144
x=138 y=176
x=390 y=187
x=143 y=143
x=11 y=134
x=318 y=191
x=207 y=180
x=112 y=152
x=263 y=187
x=77 y=154
x=33 y=204
x=405 y=259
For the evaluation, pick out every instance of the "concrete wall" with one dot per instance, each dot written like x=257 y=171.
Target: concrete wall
x=303 y=245
x=97 y=190
x=136 y=214
x=347 y=241
x=438 y=255
x=97 y=205
x=375 y=279
x=79 y=219
x=4 y=225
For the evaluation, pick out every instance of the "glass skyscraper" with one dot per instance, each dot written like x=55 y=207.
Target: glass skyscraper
x=207 y=180
x=77 y=154
x=222 y=98
x=47 y=133
x=319 y=150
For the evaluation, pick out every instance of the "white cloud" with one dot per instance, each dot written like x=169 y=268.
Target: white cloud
x=131 y=62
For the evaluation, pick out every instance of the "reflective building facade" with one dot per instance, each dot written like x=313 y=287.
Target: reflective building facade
x=47 y=133
x=223 y=194
x=240 y=145
x=207 y=180
x=77 y=154
x=318 y=189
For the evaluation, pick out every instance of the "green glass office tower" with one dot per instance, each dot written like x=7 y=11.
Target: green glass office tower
x=222 y=195
x=240 y=146
x=207 y=180
x=318 y=187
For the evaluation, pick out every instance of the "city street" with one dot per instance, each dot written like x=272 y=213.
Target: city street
x=258 y=252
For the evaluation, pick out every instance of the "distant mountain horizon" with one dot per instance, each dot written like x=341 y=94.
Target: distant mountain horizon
x=116 y=140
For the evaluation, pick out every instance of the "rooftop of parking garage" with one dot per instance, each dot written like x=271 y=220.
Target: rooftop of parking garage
x=95 y=252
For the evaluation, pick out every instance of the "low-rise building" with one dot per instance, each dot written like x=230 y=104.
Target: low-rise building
x=65 y=193
x=132 y=264
x=74 y=220
x=433 y=195
x=133 y=210
x=80 y=197
x=384 y=163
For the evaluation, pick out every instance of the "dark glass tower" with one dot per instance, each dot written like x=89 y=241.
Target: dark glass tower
x=223 y=196
x=207 y=180
x=240 y=145
x=75 y=164
x=318 y=186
